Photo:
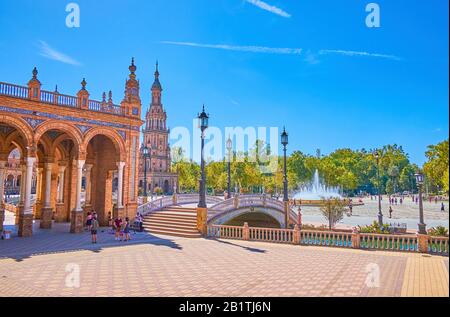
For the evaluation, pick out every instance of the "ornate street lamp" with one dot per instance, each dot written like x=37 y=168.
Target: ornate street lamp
x=229 y=147
x=380 y=214
x=145 y=153
x=284 y=141
x=203 y=124
x=420 y=181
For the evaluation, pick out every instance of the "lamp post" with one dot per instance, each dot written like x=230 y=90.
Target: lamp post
x=380 y=214
x=203 y=123
x=229 y=147
x=284 y=141
x=145 y=152
x=420 y=181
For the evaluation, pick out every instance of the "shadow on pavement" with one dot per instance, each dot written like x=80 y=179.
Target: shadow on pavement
x=57 y=241
x=240 y=246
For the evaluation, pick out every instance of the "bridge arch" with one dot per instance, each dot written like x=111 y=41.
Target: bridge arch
x=232 y=208
x=224 y=218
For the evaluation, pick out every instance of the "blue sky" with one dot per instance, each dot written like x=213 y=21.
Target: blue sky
x=394 y=90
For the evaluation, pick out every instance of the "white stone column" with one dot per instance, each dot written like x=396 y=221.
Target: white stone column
x=39 y=184
x=62 y=169
x=121 y=166
x=48 y=184
x=87 y=198
x=23 y=174
x=27 y=182
x=2 y=181
x=80 y=164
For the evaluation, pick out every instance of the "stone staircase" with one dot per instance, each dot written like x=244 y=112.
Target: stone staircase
x=173 y=221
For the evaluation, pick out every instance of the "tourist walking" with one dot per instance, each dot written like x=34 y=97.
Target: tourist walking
x=94 y=228
x=442 y=207
x=117 y=227
x=89 y=220
x=126 y=229
x=390 y=212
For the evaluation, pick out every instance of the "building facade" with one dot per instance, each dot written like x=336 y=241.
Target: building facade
x=64 y=139
x=154 y=168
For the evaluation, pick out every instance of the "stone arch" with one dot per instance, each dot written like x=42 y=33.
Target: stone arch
x=19 y=124
x=109 y=133
x=65 y=127
x=229 y=215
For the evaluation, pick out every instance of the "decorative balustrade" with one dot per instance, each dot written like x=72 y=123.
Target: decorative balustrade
x=326 y=238
x=271 y=235
x=58 y=99
x=438 y=245
x=13 y=90
x=225 y=232
x=388 y=242
x=168 y=201
x=355 y=240
x=155 y=205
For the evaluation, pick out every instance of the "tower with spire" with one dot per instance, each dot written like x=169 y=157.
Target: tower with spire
x=156 y=139
x=131 y=101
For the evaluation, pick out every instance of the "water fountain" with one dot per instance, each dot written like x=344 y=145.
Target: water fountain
x=316 y=190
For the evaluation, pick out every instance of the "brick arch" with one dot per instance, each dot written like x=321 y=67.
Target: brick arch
x=19 y=124
x=110 y=134
x=65 y=127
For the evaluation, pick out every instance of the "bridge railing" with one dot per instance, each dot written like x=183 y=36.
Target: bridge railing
x=155 y=205
x=169 y=201
x=354 y=240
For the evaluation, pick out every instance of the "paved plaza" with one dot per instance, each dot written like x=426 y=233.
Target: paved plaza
x=408 y=213
x=151 y=265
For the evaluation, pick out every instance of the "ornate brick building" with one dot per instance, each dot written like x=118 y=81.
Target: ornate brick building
x=64 y=139
x=156 y=140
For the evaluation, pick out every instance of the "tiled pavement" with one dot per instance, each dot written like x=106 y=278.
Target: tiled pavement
x=167 y=266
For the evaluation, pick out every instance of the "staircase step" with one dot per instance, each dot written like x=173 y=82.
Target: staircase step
x=176 y=234
x=173 y=221
x=171 y=216
x=171 y=224
x=171 y=229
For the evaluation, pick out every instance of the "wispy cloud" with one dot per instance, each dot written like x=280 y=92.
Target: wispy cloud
x=356 y=53
x=51 y=53
x=254 y=49
x=311 y=57
x=265 y=6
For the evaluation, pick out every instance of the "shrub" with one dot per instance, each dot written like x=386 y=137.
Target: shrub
x=438 y=231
